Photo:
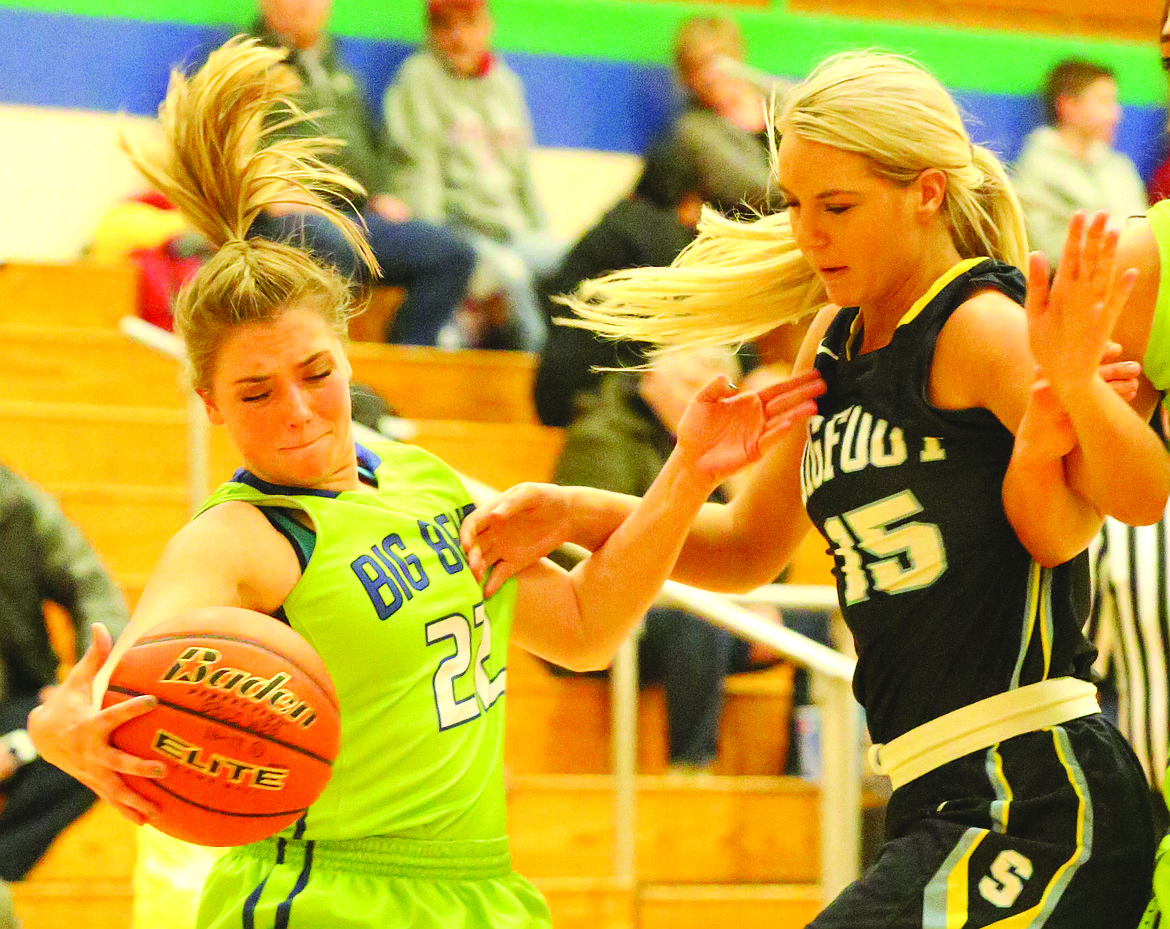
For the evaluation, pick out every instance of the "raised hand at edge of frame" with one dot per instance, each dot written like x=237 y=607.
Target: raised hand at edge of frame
x=70 y=732
x=1070 y=322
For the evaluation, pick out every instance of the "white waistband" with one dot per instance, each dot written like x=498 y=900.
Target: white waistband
x=981 y=725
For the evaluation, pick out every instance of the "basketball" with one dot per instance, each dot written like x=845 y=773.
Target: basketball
x=246 y=723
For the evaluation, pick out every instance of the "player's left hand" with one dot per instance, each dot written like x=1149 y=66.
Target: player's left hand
x=1121 y=376
x=517 y=529
x=724 y=429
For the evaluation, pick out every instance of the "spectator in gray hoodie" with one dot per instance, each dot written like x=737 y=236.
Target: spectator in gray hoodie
x=1070 y=164
x=460 y=127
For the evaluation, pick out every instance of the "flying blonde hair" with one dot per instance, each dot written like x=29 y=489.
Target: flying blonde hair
x=222 y=162
x=741 y=279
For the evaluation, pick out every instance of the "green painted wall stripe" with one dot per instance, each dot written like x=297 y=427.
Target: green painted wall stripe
x=642 y=32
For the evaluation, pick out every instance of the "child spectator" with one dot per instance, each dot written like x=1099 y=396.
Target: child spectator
x=459 y=123
x=1070 y=163
x=723 y=125
x=649 y=227
x=432 y=265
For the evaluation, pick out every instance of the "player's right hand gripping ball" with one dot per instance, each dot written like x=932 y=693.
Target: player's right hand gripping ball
x=246 y=723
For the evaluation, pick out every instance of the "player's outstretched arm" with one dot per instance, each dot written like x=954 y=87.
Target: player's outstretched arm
x=729 y=547
x=1119 y=465
x=580 y=618
x=229 y=556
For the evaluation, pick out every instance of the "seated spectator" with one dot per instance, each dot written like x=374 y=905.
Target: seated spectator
x=45 y=559
x=723 y=126
x=461 y=128
x=1070 y=164
x=431 y=264
x=649 y=227
x=620 y=443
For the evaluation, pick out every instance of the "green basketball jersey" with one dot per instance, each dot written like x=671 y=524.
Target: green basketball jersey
x=1156 y=363
x=416 y=655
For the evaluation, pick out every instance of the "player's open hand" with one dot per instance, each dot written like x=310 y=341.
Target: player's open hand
x=724 y=429
x=1070 y=323
x=514 y=531
x=70 y=732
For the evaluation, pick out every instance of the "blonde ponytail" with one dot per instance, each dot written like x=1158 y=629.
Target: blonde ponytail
x=984 y=213
x=222 y=161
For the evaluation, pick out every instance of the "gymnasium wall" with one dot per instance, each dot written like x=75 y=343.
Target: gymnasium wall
x=596 y=71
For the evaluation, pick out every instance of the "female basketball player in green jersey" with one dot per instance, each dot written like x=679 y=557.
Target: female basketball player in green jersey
x=1143 y=330
x=955 y=494
x=357 y=549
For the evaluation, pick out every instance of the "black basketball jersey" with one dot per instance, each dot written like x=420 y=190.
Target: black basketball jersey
x=945 y=604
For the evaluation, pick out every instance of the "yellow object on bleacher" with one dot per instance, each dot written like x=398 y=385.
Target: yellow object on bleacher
x=168 y=876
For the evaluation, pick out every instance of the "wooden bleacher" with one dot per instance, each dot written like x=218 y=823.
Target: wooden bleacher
x=1133 y=20
x=100 y=423
x=68 y=296
x=102 y=366
x=85 y=879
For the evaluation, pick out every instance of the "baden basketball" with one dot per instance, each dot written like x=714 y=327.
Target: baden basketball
x=246 y=723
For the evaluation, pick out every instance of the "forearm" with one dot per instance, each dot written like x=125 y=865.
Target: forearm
x=596 y=515
x=1052 y=521
x=617 y=584
x=1123 y=468
x=709 y=557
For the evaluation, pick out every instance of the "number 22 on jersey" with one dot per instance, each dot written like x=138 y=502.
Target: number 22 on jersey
x=452 y=670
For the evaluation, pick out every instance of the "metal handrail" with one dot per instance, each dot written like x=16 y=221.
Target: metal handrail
x=198 y=433
x=840 y=794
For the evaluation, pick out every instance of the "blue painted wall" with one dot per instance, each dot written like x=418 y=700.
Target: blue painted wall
x=112 y=64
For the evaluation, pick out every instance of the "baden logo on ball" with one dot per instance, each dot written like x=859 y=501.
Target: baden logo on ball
x=247 y=723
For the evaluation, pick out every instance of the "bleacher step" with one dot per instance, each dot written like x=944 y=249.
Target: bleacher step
x=148 y=445
x=128 y=526
x=430 y=383
x=690 y=828
x=73 y=365
x=728 y=906
x=61 y=904
x=104 y=366
x=54 y=444
x=607 y=903
x=82 y=295
x=543 y=707
x=589 y=902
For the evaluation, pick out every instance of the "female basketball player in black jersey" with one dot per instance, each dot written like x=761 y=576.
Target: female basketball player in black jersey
x=955 y=494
